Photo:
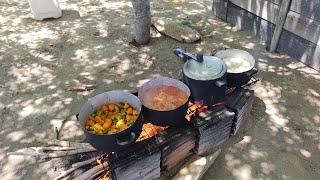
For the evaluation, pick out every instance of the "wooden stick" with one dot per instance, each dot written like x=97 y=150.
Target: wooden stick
x=83 y=88
x=66 y=153
x=68 y=144
x=25 y=151
x=57 y=132
x=211 y=160
x=92 y=171
x=76 y=166
x=65 y=173
x=39 y=151
x=82 y=163
x=53 y=148
x=95 y=175
x=281 y=19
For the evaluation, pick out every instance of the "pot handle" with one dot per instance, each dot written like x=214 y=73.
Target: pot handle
x=185 y=56
x=77 y=116
x=252 y=72
x=180 y=53
x=215 y=50
x=221 y=83
x=124 y=142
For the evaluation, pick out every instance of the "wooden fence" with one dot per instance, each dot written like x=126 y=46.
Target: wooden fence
x=299 y=36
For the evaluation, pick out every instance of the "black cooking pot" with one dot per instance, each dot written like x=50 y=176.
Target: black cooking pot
x=174 y=117
x=113 y=142
x=205 y=76
x=240 y=66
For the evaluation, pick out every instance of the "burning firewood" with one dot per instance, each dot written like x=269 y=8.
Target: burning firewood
x=76 y=166
x=93 y=172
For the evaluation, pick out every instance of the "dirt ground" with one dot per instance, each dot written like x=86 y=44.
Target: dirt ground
x=42 y=61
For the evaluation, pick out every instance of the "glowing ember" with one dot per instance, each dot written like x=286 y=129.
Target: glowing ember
x=149 y=130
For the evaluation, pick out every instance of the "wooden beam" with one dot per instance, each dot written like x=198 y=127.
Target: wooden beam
x=195 y=168
x=279 y=24
x=219 y=9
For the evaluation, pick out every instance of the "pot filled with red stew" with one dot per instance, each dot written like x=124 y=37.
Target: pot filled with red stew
x=165 y=101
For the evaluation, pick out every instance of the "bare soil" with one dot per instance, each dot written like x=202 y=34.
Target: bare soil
x=42 y=62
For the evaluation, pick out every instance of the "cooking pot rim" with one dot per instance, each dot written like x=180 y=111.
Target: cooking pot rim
x=110 y=92
x=157 y=81
x=223 y=71
x=222 y=54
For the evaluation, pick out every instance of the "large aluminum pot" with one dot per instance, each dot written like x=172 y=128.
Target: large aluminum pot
x=120 y=140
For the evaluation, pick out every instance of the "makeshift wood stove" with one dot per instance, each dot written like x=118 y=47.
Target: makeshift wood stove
x=159 y=149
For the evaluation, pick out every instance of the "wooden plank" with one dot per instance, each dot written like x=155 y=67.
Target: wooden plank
x=175 y=144
x=267 y=10
x=302 y=26
x=309 y=9
x=137 y=151
x=289 y=43
x=144 y=168
x=195 y=168
x=214 y=128
x=300 y=49
x=219 y=9
x=241 y=102
x=262 y=8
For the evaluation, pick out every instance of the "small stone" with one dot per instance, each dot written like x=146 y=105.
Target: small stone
x=97 y=33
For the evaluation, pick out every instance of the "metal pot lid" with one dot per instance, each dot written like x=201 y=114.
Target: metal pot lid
x=238 y=61
x=211 y=68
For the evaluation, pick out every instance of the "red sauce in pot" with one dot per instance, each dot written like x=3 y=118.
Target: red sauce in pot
x=164 y=98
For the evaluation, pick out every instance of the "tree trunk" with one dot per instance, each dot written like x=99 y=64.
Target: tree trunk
x=142 y=21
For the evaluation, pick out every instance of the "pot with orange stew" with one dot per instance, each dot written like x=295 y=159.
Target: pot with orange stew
x=164 y=101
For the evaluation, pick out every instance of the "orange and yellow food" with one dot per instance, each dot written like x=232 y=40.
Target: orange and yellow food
x=164 y=98
x=111 y=118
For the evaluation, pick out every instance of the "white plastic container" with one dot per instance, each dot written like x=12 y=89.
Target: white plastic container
x=43 y=9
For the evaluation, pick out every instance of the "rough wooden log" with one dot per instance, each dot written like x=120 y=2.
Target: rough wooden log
x=65 y=153
x=240 y=102
x=142 y=21
x=63 y=143
x=175 y=144
x=83 y=163
x=214 y=128
x=76 y=166
x=93 y=171
x=140 y=161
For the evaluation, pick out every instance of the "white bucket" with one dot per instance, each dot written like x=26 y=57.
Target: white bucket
x=43 y=9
